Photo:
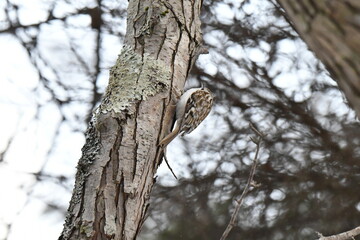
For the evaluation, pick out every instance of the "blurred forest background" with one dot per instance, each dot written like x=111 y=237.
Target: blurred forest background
x=55 y=58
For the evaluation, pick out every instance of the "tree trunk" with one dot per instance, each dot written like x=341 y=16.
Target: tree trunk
x=331 y=28
x=116 y=171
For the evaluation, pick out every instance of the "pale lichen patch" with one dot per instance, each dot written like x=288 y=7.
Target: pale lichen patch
x=134 y=78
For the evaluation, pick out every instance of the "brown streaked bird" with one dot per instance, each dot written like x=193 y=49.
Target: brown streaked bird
x=192 y=108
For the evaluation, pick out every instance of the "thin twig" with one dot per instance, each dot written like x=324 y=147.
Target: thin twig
x=250 y=182
x=342 y=236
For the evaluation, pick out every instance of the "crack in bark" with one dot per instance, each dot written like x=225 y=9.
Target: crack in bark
x=182 y=25
x=99 y=199
x=192 y=19
x=134 y=28
x=159 y=150
x=173 y=59
x=120 y=206
x=193 y=55
x=161 y=44
x=136 y=143
x=183 y=12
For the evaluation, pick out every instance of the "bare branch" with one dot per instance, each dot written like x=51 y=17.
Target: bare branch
x=250 y=183
x=342 y=236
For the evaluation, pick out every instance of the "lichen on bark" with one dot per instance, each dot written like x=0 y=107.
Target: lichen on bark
x=134 y=77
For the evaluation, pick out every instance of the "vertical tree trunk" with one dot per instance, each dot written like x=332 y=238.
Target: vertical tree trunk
x=331 y=28
x=116 y=171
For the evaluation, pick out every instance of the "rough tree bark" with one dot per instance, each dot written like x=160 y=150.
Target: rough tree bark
x=116 y=171
x=331 y=28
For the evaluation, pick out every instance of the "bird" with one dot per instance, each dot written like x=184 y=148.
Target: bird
x=191 y=109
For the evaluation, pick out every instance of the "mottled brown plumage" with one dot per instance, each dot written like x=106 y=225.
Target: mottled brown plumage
x=193 y=107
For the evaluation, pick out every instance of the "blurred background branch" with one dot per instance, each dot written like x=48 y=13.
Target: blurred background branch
x=250 y=183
